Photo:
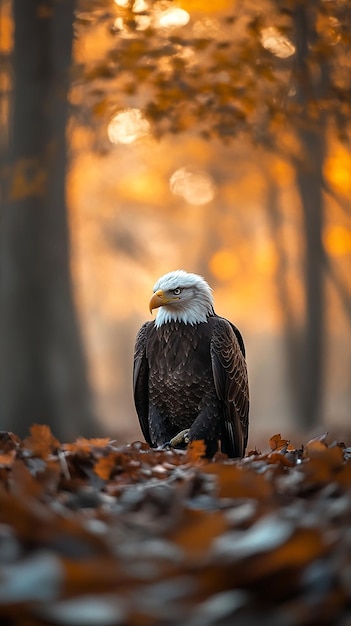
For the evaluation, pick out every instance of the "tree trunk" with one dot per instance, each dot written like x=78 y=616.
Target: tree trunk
x=309 y=182
x=311 y=84
x=42 y=368
x=291 y=322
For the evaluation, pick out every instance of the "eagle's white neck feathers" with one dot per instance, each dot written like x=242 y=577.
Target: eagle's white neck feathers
x=195 y=302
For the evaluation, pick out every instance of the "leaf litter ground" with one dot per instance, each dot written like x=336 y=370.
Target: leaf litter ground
x=92 y=533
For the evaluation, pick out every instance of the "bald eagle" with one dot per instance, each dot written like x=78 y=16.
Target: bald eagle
x=190 y=376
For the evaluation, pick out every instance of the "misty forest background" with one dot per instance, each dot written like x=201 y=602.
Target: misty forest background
x=140 y=137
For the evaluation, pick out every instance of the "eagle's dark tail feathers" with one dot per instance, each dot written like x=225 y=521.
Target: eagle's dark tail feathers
x=232 y=440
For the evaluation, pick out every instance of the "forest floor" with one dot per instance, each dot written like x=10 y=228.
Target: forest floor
x=96 y=534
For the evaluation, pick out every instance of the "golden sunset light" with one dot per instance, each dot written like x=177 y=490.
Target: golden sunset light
x=337 y=240
x=338 y=169
x=224 y=265
x=234 y=213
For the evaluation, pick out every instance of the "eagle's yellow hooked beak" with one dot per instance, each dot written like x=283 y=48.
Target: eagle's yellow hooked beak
x=158 y=299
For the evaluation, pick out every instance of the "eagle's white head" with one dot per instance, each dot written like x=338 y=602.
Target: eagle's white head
x=182 y=297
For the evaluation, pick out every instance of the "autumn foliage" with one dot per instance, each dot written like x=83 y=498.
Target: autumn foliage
x=96 y=533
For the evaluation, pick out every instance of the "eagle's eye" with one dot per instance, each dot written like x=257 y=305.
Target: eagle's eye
x=177 y=291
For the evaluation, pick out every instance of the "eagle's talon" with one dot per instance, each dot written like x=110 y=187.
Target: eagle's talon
x=181 y=437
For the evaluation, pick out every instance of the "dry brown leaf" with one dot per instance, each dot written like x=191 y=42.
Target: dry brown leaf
x=277 y=443
x=237 y=482
x=41 y=441
x=105 y=464
x=86 y=445
x=197 y=530
x=7 y=459
x=279 y=459
x=196 y=451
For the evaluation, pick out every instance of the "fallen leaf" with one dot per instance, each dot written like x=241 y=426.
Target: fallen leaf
x=196 y=451
x=41 y=441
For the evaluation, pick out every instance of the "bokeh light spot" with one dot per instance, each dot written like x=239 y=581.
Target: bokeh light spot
x=139 y=6
x=172 y=18
x=338 y=170
x=337 y=240
x=195 y=187
x=276 y=43
x=266 y=258
x=224 y=265
x=127 y=126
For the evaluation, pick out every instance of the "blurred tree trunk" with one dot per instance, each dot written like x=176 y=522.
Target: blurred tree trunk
x=311 y=85
x=42 y=368
x=292 y=323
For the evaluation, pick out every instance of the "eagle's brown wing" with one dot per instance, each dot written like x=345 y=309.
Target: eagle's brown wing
x=231 y=383
x=141 y=381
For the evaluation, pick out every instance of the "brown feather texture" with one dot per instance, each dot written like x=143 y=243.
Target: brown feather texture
x=191 y=374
